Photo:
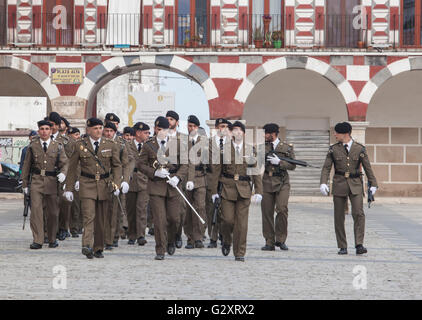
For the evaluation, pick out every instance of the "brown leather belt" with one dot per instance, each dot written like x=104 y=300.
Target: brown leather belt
x=95 y=176
x=348 y=174
x=236 y=177
x=44 y=173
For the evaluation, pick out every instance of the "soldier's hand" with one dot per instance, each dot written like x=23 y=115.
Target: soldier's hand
x=373 y=190
x=69 y=196
x=273 y=159
x=174 y=181
x=324 y=189
x=61 y=177
x=190 y=185
x=214 y=197
x=256 y=198
x=125 y=187
x=161 y=173
x=77 y=185
x=116 y=192
x=25 y=190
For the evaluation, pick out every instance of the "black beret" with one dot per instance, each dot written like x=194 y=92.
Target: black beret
x=33 y=133
x=162 y=122
x=172 y=114
x=271 y=128
x=343 y=127
x=91 y=122
x=44 y=123
x=239 y=125
x=67 y=123
x=55 y=117
x=220 y=121
x=129 y=130
x=141 y=126
x=110 y=125
x=112 y=117
x=194 y=120
x=72 y=130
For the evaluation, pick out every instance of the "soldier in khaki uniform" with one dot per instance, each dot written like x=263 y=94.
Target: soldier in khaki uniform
x=99 y=158
x=195 y=185
x=138 y=197
x=216 y=149
x=111 y=222
x=236 y=176
x=164 y=198
x=347 y=156
x=41 y=161
x=276 y=186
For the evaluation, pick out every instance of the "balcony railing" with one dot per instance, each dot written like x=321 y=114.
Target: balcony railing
x=207 y=31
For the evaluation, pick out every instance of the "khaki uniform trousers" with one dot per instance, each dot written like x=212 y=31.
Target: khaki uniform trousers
x=275 y=232
x=234 y=224
x=194 y=229
x=166 y=216
x=93 y=212
x=44 y=205
x=137 y=203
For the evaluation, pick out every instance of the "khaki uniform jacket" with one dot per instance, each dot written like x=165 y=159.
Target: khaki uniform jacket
x=67 y=143
x=197 y=176
x=139 y=181
x=159 y=186
x=108 y=154
x=233 y=189
x=344 y=162
x=37 y=159
x=271 y=182
x=126 y=158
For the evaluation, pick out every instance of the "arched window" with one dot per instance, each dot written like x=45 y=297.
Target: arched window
x=57 y=21
x=411 y=23
x=339 y=23
x=193 y=21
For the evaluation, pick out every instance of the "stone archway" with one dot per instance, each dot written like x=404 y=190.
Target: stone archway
x=117 y=66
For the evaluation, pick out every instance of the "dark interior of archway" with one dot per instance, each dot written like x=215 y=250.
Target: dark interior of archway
x=14 y=83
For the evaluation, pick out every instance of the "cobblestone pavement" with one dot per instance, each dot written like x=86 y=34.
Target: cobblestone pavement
x=311 y=269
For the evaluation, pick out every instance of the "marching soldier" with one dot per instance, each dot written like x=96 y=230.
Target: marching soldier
x=195 y=185
x=138 y=197
x=347 y=156
x=75 y=211
x=164 y=176
x=111 y=117
x=99 y=158
x=111 y=226
x=47 y=165
x=216 y=157
x=236 y=176
x=128 y=133
x=276 y=187
x=173 y=119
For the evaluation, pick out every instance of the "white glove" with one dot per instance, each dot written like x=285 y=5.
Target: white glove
x=61 y=177
x=69 y=196
x=173 y=181
x=324 y=189
x=161 y=173
x=125 y=187
x=274 y=160
x=116 y=192
x=190 y=185
x=25 y=190
x=256 y=198
x=77 y=185
x=214 y=196
x=373 y=190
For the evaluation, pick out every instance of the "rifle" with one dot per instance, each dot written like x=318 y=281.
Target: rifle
x=371 y=197
x=293 y=161
x=27 y=202
x=217 y=205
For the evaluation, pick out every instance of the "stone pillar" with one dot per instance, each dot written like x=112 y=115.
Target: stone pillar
x=359 y=130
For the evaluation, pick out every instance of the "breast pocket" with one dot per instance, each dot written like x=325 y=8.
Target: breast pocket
x=106 y=154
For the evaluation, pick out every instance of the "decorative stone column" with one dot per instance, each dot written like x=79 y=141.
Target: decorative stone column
x=359 y=130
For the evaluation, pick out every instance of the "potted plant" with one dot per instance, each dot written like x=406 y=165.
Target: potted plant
x=277 y=39
x=267 y=40
x=196 y=41
x=257 y=36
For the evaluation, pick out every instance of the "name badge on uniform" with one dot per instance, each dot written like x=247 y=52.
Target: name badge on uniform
x=106 y=150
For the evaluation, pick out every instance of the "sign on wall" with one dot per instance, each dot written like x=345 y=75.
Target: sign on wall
x=69 y=73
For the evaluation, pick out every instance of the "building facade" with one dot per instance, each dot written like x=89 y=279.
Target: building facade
x=305 y=64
